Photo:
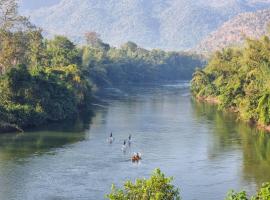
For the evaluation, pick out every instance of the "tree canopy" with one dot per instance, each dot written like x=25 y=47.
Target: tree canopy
x=239 y=79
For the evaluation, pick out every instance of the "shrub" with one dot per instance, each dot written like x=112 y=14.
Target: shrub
x=157 y=187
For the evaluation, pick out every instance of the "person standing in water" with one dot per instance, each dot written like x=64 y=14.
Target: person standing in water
x=124 y=147
x=111 y=139
x=129 y=140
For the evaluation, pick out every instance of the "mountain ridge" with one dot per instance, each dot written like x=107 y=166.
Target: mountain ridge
x=166 y=24
x=235 y=31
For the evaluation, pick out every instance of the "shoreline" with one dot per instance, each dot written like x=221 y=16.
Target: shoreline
x=9 y=128
x=216 y=101
x=210 y=99
x=263 y=127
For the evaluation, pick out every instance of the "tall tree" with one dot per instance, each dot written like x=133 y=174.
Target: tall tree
x=14 y=36
x=92 y=39
x=9 y=17
x=62 y=52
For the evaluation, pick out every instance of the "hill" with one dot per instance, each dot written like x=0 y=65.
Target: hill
x=167 y=24
x=36 y=4
x=234 y=32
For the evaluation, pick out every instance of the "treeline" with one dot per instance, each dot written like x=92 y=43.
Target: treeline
x=45 y=80
x=131 y=64
x=239 y=80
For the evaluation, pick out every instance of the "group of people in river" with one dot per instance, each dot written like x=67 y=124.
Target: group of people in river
x=127 y=143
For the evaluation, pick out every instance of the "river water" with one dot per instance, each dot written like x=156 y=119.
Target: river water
x=208 y=152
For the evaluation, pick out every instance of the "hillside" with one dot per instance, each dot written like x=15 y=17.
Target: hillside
x=167 y=24
x=233 y=32
x=36 y=4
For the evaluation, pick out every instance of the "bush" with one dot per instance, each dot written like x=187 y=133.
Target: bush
x=157 y=187
x=232 y=195
x=263 y=194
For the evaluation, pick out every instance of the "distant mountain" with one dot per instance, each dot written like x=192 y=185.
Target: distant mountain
x=234 y=32
x=167 y=24
x=36 y=4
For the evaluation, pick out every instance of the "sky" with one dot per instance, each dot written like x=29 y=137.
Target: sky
x=34 y=4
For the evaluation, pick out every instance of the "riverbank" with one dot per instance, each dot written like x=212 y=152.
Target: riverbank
x=216 y=101
x=240 y=79
x=212 y=100
x=9 y=128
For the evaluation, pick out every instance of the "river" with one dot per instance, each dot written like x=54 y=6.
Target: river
x=208 y=152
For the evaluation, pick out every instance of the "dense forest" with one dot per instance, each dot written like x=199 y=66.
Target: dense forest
x=239 y=80
x=107 y=65
x=45 y=80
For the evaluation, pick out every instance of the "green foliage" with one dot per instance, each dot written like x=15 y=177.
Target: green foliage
x=263 y=109
x=62 y=52
x=50 y=80
x=232 y=195
x=132 y=64
x=239 y=78
x=262 y=194
x=34 y=97
x=157 y=187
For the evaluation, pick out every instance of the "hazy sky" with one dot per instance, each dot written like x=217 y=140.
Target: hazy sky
x=33 y=4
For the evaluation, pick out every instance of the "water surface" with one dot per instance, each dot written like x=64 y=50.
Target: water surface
x=207 y=151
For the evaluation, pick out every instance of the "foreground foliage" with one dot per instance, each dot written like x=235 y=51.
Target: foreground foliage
x=240 y=80
x=157 y=187
x=262 y=194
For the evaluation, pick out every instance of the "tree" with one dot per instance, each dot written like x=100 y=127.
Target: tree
x=36 y=46
x=130 y=46
x=92 y=39
x=9 y=17
x=157 y=187
x=62 y=52
x=14 y=36
x=14 y=47
x=239 y=79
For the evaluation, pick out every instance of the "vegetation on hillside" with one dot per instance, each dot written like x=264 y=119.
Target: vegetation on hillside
x=235 y=31
x=167 y=24
x=239 y=79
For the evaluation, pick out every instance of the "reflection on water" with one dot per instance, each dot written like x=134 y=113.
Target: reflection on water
x=230 y=135
x=206 y=150
x=42 y=139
